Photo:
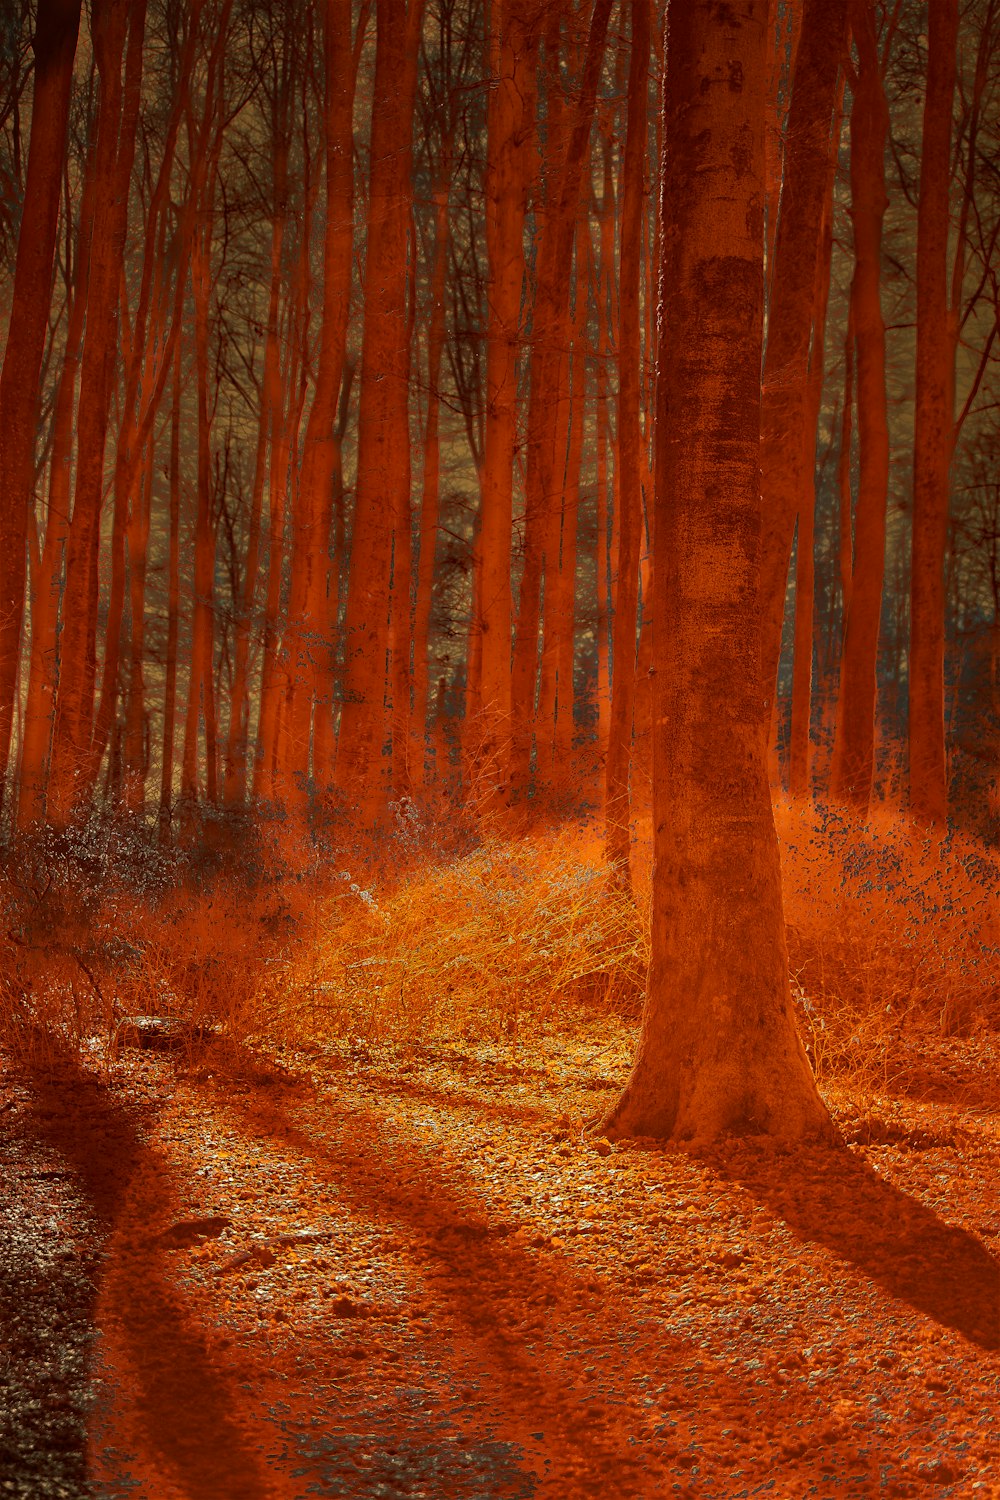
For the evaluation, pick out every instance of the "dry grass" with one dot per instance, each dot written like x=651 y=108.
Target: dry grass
x=893 y=941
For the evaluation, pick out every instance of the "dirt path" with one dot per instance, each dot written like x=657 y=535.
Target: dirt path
x=352 y=1282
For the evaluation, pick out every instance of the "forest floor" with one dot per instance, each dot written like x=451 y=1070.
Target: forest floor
x=364 y=1275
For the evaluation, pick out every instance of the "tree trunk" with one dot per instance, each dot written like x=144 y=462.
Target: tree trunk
x=431 y=488
x=719 y=1051
x=311 y=703
x=933 y=420
x=54 y=46
x=549 y=324
x=791 y=313
x=800 y=743
x=510 y=113
x=617 y=815
x=173 y=602
x=383 y=476
x=854 y=743
x=114 y=152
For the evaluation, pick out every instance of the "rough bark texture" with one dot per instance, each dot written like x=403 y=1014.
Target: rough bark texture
x=933 y=425
x=719 y=1050
x=55 y=40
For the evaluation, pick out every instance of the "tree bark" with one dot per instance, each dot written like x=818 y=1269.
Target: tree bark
x=617 y=814
x=311 y=702
x=54 y=46
x=112 y=20
x=791 y=313
x=854 y=742
x=933 y=420
x=383 y=476
x=549 y=322
x=719 y=1051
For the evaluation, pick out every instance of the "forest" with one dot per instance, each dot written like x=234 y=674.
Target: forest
x=499 y=749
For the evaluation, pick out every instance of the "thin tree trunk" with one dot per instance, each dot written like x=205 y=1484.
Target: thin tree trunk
x=617 y=815
x=933 y=425
x=510 y=112
x=792 y=310
x=311 y=701
x=854 y=744
x=173 y=602
x=383 y=478
x=431 y=488
x=800 y=744
x=549 y=321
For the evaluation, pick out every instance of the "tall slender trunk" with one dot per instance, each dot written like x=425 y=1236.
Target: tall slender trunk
x=311 y=699
x=173 y=600
x=383 y=476
x=513 y=44
x=792 y=309
x=235 y=781
x=46 y=577
x=54 y=45
x=549 y=320
x=933 y=424
x=854 y=744
x=617 y=839
x=136 y=755
x=112 y=21
x=800 y=743
x=431 y=488
x=201 y=678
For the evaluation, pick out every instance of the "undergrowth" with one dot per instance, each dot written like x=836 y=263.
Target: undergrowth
x=893 y=937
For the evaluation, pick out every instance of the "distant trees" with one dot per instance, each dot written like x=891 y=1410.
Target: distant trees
x=326 y=416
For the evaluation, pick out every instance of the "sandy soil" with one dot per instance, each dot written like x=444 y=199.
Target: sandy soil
x=359 y=1277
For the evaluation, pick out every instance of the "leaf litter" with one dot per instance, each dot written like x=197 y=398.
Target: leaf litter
x=384 y=1277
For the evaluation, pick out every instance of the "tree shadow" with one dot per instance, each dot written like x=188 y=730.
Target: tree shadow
x=183 y=1397
x=485 y=1273
x=831 y=1196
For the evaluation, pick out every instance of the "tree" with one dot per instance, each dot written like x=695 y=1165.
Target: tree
x=629 y=452
x=382 y=497
x=854 y=746
x=933 y=423
x=55 y=39
x=719 y=1051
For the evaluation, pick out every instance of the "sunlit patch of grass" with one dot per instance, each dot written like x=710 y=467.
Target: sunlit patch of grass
x=510 y=936
x=893 y=937
x=893 y=933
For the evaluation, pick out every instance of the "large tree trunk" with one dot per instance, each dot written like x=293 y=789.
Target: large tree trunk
x=719 y=1050
x=933 y=419
x=617 y=838
x=854 y=743
x=56 y=30
x=383 y=480
x=791 y=313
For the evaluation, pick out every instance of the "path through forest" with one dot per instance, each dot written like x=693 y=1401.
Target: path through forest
x=362 y=1277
